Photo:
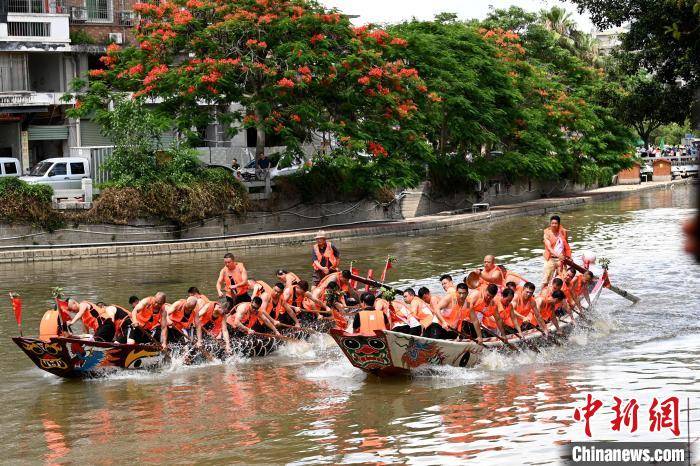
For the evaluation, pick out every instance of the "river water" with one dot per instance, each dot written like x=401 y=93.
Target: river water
x=307 y=405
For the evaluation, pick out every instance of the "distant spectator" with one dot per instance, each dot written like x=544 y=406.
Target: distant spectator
x=264 y=163
x=235 y=165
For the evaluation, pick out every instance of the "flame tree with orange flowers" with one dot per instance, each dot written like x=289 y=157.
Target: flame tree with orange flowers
x=293 y=67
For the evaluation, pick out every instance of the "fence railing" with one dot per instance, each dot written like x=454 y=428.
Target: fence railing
x=28 y=29
x=37 y=6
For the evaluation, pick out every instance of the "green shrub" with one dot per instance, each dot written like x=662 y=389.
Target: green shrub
x=22 y=202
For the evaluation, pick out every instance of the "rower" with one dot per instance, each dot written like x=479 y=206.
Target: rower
x=179 y=318
x=307 y=305
x=133 y=301
x=568 y=279
x=580 y=287
x=343 y=281
x=210 y=318
x=484 y=306
x=556 y=248
x=145 y=318
x=247 y=318
x=194 y=291
x=512 y=321
x=402 y=320
x=422 y=311
x=526 y=305
x=438 y=329
x=94 y=317
x=369 y=319
x=325 y=257
x=448 y=285
x=122 y=322
x=546 y=302
x=454 y=308
x=491 y=273
x=288 y=278
x=278 y=308
x=561 y=306
x=233 y=281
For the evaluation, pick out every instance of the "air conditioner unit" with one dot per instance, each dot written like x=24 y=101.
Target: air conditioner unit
x=78 y=14
x=127 y=18
x=116 y=37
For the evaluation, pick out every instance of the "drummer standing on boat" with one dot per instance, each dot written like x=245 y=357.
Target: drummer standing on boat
x=233 y=281
x=556 y=248
x=325 y=257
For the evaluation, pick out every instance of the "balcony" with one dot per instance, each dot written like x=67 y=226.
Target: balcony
x=37 y=7
x=35 y=27
x=30 y=99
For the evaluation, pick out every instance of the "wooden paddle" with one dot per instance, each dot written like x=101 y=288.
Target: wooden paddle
x=494 y=334
x=374 y=283
x=625 y=294
x=305 y=329
x=273 y=336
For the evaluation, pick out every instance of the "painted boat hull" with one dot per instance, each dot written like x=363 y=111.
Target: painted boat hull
x=390 y=353
x=77 y=358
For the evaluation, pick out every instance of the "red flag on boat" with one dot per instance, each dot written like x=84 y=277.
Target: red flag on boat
x=354 y=271
x=17 y=307
x=606 y=279
x=387 y=267
x=370 y=274
x=62 y=307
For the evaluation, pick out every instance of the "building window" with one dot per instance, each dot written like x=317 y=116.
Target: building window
x=24 y=29
x=99 y=11
x=26 y=6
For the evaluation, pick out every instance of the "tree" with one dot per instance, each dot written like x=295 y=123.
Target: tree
x=646 y=104
x=288 y=67
x=664 y=37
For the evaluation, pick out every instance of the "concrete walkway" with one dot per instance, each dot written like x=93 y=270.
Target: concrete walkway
x=427 y=223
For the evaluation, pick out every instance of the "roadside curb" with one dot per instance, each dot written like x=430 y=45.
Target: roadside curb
x=417 y=225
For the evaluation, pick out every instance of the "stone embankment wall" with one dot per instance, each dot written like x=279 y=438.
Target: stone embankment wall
x=153 y=240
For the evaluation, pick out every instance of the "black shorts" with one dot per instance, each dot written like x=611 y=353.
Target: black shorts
x=560 y=312
x=286 y=319
x=468 y=329
x=434 y=330
x=105 y=331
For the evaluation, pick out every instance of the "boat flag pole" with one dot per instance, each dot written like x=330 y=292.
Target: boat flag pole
x=625 y=294
x=16 y=300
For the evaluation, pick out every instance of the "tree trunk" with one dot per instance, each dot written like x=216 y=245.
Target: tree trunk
x=260 y=139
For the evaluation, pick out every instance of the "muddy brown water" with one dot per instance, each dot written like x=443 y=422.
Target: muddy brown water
x=307 y=405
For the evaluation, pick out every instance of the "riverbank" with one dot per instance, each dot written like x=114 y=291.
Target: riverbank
x=427 y=223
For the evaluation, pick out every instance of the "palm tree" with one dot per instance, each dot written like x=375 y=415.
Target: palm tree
x=559 y=20
x=586 y=48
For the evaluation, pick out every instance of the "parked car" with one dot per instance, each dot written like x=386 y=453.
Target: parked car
x=9 y=167
x=59 y=172
x=278 y=167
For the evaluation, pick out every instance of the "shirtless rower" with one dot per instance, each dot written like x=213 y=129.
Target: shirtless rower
x=556 y=248
x=402 y=320
x=210 y=319
x=546 y=301
x=194 y=291
x=491 y=273
x=525 y=305
x=307 y=306
x=343 y=281
x=288 y=278
x=277 y=308
x=429 y=320
x=580 y=287
x=455 y=308
x=437 y=329
x=178 y=318
x=233 y=281
x=448 y=285
x=484 y=307
x=145 y=318
x=512 y=320
x=94 y=317
x=249 y=318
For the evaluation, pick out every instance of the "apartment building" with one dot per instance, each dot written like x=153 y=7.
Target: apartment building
x=44 y=45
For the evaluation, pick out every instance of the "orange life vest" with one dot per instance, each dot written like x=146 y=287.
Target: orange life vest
x=577 y=286
x=546 y=309
x=118 y=322
x=211 y=324
x=250 y=318
x=524 y=308
x=560 y=241
x=181 y=320
x=233 y=277
x=488 y=311
x=328 y=254
x=149 y=316
x=424 y=314
x=504 y=312
x=89 y=320
x=456 y=313
x=371 y=320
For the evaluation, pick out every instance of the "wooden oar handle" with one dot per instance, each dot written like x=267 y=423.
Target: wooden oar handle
x=373 y=283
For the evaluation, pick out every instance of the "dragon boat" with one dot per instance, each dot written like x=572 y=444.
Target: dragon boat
x=80 y=357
